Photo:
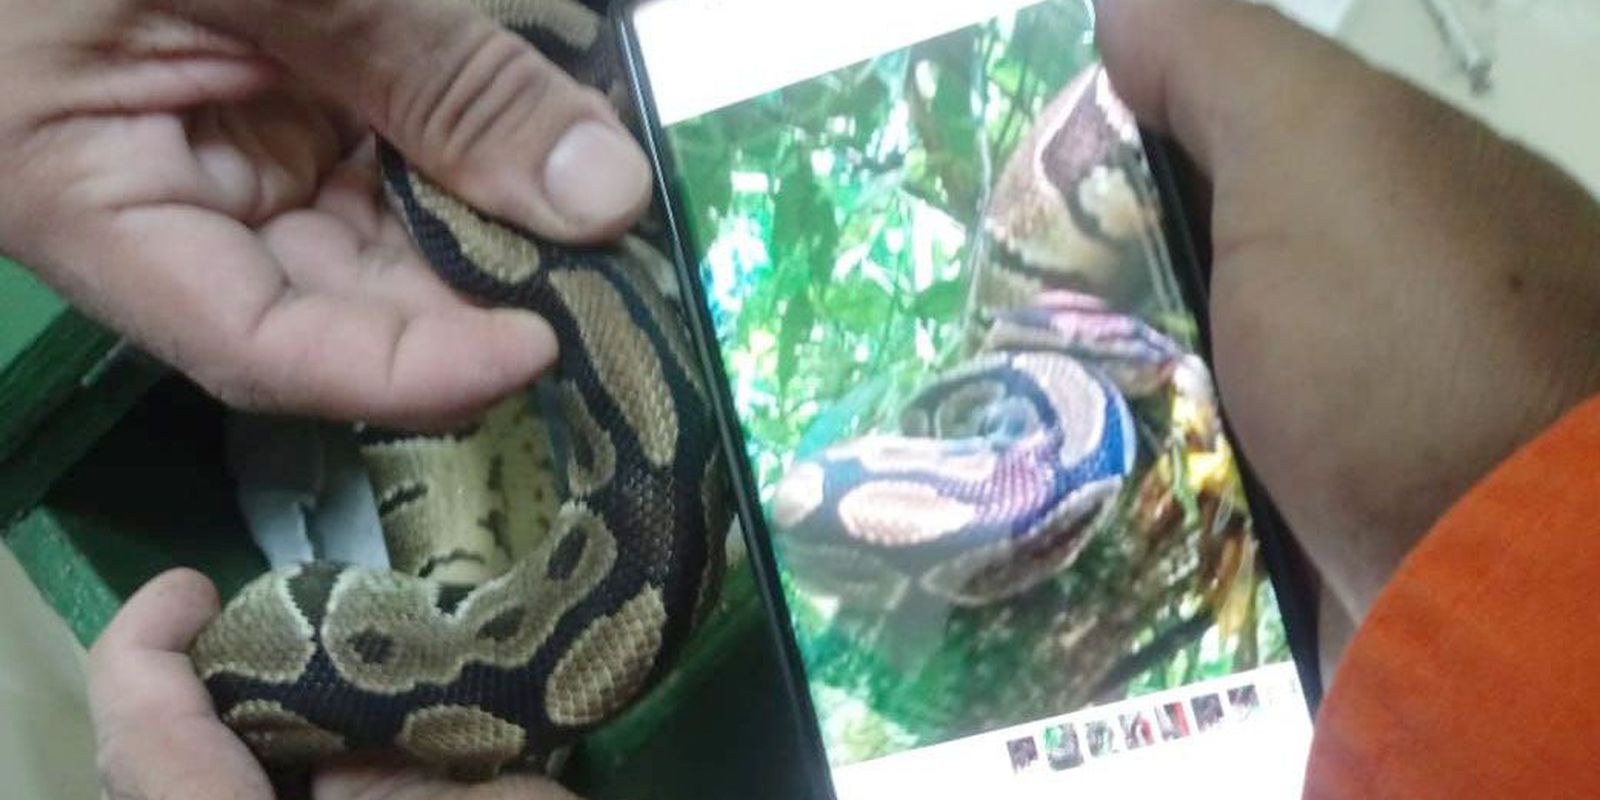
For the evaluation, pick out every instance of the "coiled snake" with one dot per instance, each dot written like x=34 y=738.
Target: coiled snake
x=542 y=617
x=550 y=563
x=999 y=469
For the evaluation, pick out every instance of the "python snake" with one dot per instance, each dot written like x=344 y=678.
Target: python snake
x=997 y=471
x=583 y=531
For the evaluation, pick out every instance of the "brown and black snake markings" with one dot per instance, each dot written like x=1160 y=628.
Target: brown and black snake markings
x=551 y=562
x=548 y=564
x=997 y=472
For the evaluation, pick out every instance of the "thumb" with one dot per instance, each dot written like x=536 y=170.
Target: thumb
x=1222 y=77
x=158 y=734
x=476 y=108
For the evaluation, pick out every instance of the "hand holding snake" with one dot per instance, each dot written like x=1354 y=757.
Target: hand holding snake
x=159 y=737
x=108 y=192
x=195 y=176
x=199 y=176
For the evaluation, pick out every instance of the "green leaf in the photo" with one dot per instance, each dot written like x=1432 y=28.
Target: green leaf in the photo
x=860 y=305
x=863 y=187
x=791 y=278
x=840 y=417
x=707 y=187
x=941 y=301
x=803 y=223
x=798 y=320
x=873 y=96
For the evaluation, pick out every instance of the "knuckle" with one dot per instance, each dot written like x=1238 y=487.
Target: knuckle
x=410 y=94
x=529 y=71
x=505 y=94
x=478 y=70
x=502 y=88
x=485 y=86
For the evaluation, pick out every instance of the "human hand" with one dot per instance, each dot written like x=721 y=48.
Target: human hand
x=198 y=174
x=159 y=737
x=1399 y=298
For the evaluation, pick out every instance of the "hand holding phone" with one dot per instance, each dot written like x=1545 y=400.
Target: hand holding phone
x=1402 y=298
x=984 y=472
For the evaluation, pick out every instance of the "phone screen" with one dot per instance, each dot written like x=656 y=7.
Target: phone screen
x=1007 y=529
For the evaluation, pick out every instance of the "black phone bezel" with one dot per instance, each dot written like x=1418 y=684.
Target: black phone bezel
x=1181 y=188
x=752 y=521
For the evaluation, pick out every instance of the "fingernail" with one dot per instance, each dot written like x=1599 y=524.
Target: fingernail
x=596 y=175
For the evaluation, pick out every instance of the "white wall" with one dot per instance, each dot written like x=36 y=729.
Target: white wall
x=1546 y=91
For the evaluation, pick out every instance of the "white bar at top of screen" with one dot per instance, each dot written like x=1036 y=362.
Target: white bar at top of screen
x=702 y=55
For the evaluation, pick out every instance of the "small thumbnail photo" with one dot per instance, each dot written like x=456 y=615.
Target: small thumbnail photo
x=1061 y=747
x=1137 y=730
x=1102 y=738
x=1173 y=719
x=1244 y=700
x=1207 y=712
x=1024 y=753
x=1279 y=694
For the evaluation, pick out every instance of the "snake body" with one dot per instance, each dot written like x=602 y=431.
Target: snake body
x=563 y=599
x=1069 y=210
x=998 y=469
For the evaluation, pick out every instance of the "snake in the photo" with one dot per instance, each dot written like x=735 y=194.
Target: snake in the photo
x=994 y=475
x=549 y=564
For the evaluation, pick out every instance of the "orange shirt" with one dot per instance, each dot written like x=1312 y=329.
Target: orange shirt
x=1477 y=673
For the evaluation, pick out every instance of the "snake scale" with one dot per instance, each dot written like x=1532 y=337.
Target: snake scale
x=589 y=526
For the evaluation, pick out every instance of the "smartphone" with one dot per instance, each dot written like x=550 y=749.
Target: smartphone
x=948 y=294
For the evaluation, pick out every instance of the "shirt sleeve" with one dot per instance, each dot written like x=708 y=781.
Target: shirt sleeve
x=1477 y=673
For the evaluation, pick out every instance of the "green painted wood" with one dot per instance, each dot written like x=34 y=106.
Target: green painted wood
x=153 y=493
x=26 y=309
x=46 y=350
x=86 y=562
x=65 y=576
x=40 y=379
x=60 y=439
x=148 y=495
x=64 y=381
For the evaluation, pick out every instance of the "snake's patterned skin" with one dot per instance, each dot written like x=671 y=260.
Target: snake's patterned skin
x=549 y=563
x=582 y=534
x=1069 y=210
x=1002 y=467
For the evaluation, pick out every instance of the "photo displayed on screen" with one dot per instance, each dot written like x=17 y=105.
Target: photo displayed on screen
x=991 y=464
